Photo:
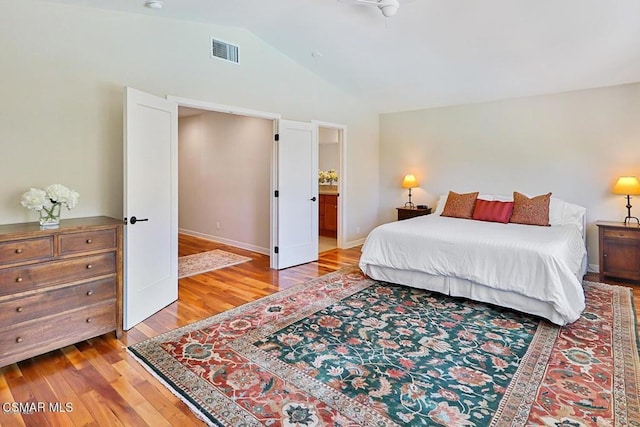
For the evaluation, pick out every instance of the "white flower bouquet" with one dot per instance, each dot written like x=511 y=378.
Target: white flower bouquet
x=49 y=201
x=327 y=177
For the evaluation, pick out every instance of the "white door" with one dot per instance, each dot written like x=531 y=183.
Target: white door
x=296 y=181
x=150 y=205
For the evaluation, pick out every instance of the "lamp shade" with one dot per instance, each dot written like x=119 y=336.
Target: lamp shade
x=627 y=185
x=409 y=181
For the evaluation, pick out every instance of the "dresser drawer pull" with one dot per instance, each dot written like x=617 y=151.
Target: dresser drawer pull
x=89 y=293
x=89 y=241
x=89 y=320
x=19 y=251
x=89 y=266
x=19 y=309
x=19 y=340
x=18 y=279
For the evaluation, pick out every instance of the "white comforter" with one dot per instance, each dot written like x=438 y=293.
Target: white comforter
x=544 y=263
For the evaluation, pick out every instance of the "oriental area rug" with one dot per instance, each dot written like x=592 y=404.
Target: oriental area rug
x=191 y=265
x=345 y=350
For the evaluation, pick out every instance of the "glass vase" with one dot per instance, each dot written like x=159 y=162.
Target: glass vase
x=50 y=217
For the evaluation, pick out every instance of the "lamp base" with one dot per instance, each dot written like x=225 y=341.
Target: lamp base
x=409 y=205
x=628 y=217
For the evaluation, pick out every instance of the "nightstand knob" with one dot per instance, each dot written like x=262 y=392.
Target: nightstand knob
x=89 y=320
x=89 y=266
x=19 y=279
x=89 y=241
x=604 y=255
x=89 y=293
x=19 y=340
x=19 y=309
x=18 y=251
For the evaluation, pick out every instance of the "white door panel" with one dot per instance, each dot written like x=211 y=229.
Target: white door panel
x=297 y=185
x=150 y=195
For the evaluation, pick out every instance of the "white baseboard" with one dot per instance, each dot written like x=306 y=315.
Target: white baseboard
x=235 y=244
x=353 y=243
x=593 y=268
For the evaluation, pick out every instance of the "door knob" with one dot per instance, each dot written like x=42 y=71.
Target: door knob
x=133 y=220
x=313 y=199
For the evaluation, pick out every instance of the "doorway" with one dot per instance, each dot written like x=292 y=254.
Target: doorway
x=331 y=179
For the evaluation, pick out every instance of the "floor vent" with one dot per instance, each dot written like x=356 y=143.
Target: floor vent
x=224 y=50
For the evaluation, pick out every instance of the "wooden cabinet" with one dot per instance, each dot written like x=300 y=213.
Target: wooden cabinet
x=406 y=213
x=619 y=250
x=58 y=286
x=328 y=215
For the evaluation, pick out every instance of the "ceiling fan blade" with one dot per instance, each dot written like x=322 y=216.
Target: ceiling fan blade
x=374 y=2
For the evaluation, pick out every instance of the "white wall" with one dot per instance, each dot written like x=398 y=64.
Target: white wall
x=224 y=171
x=329 y=157
x=63 y=72
x=573 y=144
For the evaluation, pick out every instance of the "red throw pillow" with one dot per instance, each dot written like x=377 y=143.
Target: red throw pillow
x=460 y=205
x=530 y=211
x=494 y=211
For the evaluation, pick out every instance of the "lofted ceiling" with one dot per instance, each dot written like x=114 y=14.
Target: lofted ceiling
x=436 y=52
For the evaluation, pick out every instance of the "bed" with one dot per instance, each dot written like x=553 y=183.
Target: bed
x=532 y=269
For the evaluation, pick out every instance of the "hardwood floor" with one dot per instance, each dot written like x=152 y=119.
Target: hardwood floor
x=99 y=384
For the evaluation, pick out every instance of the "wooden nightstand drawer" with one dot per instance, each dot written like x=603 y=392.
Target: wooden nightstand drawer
x=50 y=333
x=20 y=279
x=17 y=251
x=58 y=300
x=88 y=241
x=406 y=213
x=621 y=234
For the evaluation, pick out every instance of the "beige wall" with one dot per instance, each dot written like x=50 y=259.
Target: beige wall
x=224 y=174
x=573 y=144
x=63 y=72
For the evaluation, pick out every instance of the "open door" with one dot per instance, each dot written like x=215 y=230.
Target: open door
x=295 y=194
x=150 y=205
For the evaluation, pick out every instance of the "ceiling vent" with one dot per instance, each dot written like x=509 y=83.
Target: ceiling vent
x=224 y=50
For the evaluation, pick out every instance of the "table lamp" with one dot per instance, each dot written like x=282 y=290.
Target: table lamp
x=629 y=186
x=409 y=182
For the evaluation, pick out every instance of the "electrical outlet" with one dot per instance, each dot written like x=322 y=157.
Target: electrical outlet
x=217 y=225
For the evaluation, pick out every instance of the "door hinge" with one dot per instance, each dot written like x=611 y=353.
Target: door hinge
x=275 y=250
x=277 y=137
x=276 y=193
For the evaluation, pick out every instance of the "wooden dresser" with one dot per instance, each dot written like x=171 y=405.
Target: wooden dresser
x=619 y=250
x=58 y=286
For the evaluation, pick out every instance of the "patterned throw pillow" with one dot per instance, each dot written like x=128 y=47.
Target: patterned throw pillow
x=494 y=211
x=460 y=205
x=530 y=211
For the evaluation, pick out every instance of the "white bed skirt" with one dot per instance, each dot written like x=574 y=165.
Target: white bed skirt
x=464 y=288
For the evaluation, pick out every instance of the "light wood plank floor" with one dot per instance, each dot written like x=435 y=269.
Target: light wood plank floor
x=107 y=387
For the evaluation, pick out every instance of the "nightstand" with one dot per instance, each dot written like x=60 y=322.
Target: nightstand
x=406 y=213
x=619 y=250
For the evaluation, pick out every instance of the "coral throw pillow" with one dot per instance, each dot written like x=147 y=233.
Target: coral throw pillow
x=460 y=205
x=530 y=211
x=494 y=211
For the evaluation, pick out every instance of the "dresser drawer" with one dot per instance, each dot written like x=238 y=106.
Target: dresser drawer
x=20 y=279
x=622 y=234
x=17 y=251
x=57 y=331
x=56 y=301
x=87 y=241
